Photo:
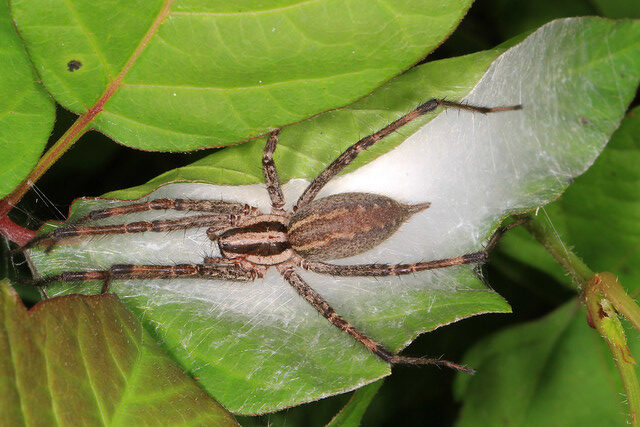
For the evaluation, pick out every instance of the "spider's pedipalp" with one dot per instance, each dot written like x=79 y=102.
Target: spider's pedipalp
x=271 y=173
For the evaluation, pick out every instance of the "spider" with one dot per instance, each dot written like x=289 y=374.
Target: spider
x=250 y=241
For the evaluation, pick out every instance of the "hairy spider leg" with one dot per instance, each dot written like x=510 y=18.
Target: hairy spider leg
x=323 y=307
x=390 y=269
x=217 y=206
x=271 y=174
x=315 y=299
x=212 y=268
x=215 y=222
x=378 y=270
x=352 y=152
x=400 y=269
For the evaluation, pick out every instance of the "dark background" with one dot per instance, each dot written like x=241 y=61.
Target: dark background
x=411 y=396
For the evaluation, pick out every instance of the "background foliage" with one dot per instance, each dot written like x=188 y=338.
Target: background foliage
x=531 y=282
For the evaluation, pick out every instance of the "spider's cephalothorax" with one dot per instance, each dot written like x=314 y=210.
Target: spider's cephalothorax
x=250 y=241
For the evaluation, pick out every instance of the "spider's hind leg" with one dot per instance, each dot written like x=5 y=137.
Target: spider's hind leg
x=391 y=269
x=400 y=269
x=323 y=307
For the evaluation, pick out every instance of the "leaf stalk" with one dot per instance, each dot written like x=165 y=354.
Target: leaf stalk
x=602 y=316
x=605 y=298
x=79 y=128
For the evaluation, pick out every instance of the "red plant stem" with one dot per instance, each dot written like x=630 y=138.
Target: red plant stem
x=14 y=232
x=79 y=128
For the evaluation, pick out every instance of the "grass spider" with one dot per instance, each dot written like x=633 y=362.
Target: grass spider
x=250 y=241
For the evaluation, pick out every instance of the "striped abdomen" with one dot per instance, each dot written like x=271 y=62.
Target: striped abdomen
x=261 y=240
x=346 y=224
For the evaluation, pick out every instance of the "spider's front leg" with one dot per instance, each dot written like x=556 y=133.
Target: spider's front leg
x=49 y=240
x=211 y=268
x=217 y=211
x=181 y=205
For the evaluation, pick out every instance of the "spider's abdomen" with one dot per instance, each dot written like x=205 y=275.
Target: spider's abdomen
x=261 y=240
x=346 y=224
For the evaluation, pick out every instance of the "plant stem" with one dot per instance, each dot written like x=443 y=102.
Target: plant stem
x=549 y=238
x=603 y=296
x=621 y=301
x=14 y=232
x=604 y=319
x=79 y=128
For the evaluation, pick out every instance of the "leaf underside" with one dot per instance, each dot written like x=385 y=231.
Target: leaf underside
x=94 y=347
x=606 y=199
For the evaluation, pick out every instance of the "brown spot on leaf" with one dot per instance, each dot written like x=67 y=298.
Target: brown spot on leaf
x=73 y=65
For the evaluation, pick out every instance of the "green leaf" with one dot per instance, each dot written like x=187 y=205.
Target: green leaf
x=305 y=149
x=556 y=370
x=618 y=8
x=352 y=413
x=177 y=76
x=259 y=325
x=599 y=214
x=87 y=360
x=258 y=347
x=26 y=112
